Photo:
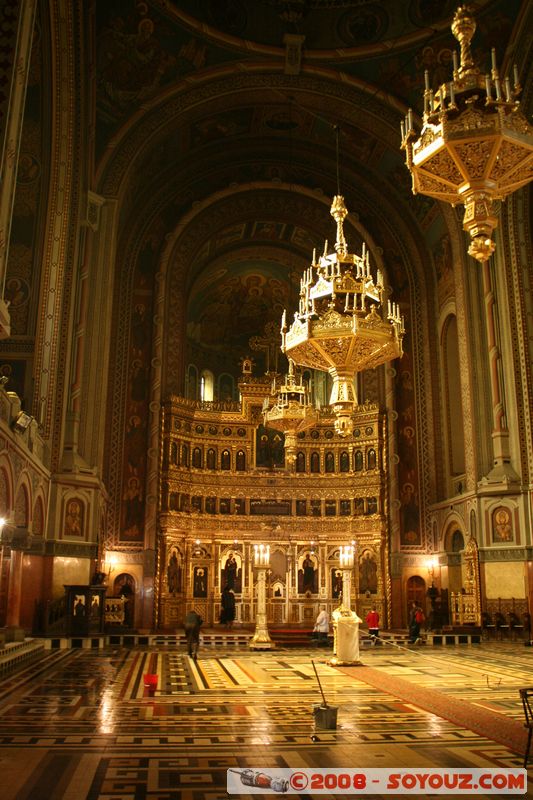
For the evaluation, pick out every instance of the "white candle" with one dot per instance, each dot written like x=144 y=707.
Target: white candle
x=454 y=57
x=507 y=85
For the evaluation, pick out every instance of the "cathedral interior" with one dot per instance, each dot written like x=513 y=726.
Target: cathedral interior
x=266 y=324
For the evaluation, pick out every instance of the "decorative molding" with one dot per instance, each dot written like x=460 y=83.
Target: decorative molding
x=508 y=554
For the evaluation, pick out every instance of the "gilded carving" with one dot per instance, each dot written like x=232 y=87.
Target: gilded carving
x=475 y=156
x=443 y=166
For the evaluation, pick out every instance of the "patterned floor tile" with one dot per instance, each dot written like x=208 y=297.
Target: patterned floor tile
x=81 y=724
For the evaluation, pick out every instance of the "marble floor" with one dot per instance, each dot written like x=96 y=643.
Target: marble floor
x=80 y=723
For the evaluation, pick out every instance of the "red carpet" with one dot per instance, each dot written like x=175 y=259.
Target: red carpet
x=491 y=725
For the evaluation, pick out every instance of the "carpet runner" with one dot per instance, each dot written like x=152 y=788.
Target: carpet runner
x=491 y=725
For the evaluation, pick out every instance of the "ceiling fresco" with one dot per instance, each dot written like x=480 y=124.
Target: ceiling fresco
x=144 y=48
x=234 y=302
x=198 y=101
x=326 y=24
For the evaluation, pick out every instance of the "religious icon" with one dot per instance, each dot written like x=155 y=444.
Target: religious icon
x=230 y=571
x=73 y=519
x=368 y=574
x=336 y=583
x=95 y=605
x=502 y=528
x=308 y=576
x=173 y=574
x=79 y=606
x=199 y=582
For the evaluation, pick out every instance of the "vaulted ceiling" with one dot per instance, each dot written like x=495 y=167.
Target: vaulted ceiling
x=200 y=105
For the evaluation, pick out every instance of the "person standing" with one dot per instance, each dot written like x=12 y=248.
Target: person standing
x=322 y=626
x=416 y=618
x=372 y=620
x=193 y=623
x=227 y=612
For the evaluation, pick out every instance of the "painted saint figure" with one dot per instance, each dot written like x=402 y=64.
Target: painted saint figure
x=230 y=571
x=368 y=574
x=199 y=582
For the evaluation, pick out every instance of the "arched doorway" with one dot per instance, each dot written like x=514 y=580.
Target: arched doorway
x=416 y=593
x=124 y=586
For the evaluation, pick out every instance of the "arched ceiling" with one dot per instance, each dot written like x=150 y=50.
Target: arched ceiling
x=197 y=99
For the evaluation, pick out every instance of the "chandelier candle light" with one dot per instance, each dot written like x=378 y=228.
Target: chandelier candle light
x=261 y=555
x=343 y=324
x=475 y=146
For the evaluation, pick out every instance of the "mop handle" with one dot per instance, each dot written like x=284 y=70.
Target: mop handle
x=319 y=685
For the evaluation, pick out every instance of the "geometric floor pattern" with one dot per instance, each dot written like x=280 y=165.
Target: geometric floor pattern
x=80 y=724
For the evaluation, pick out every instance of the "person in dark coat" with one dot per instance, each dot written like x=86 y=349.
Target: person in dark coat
x=193 y=623
x=227 y=612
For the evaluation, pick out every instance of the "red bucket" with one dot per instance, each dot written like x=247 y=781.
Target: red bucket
x=150 y=682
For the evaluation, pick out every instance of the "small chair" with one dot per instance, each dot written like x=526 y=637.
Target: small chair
x=488 y=627
x=502 y=626
x=515 y=626
x=525 y=695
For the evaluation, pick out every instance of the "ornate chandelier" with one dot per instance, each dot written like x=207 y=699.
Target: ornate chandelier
x=291 y=411
x=475 y=146
x=342 y=325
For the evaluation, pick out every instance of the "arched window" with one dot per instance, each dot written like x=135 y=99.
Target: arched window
x=371 y=459
x=358 y=461
x=240 y=461
x=226 y=387
x=185 y=455
x=300 y=462
x=456 y=438
x=344 y=462
x=5 y=494
x=174 y=452
x=315 y=462
x=207 y=386
x=331 y=508
x=301 y=508
x=197 y=458
x=211 y=459
x=225 y=460
x=345 y=508
x=330 y=462
x=38 y=518
x=458 y=542
x=191 y=388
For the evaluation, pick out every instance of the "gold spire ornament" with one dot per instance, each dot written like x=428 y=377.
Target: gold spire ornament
x=475 y=146
x=342 y=325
